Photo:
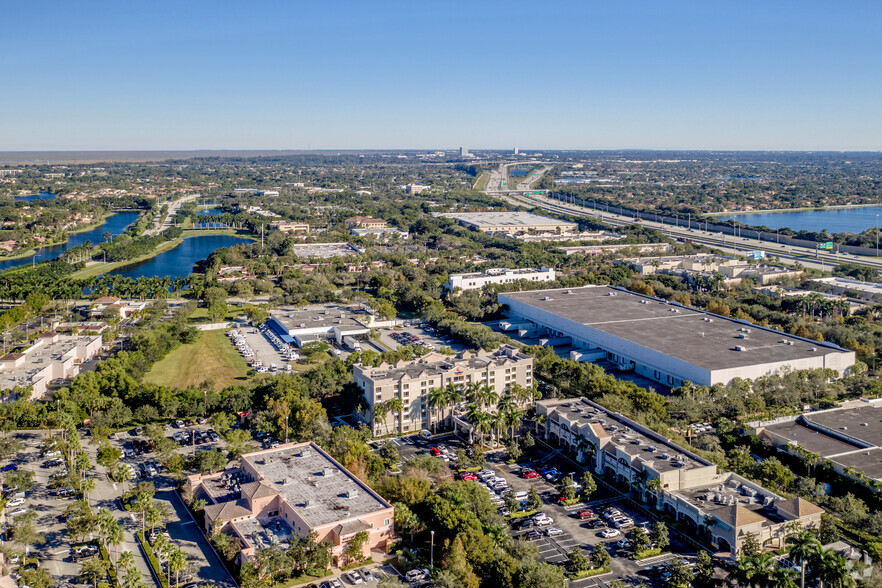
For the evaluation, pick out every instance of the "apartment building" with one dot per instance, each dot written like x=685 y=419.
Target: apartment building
x=411 y=381
x=281 y=495
x=294 y=227
x=721 y=508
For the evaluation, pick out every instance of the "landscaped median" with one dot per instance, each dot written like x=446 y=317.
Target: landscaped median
x=111 y=569
x=589 y=573
x=151 y=557
x=647 y=553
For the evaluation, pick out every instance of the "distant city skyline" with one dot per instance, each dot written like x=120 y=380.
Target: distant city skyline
x=688 y=75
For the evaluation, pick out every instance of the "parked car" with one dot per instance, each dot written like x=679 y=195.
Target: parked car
x=9 y=468
x=610 y=533
x=597 y=524
x=552 y=531
x=585 y=513
x=354 y=577
x=416 y=575
x=532 y=535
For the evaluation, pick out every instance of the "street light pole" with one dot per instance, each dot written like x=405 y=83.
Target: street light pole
x=877 y=235
x=432 y=552
x=286 y=429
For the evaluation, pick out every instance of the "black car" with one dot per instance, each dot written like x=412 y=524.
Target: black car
x=532 y=535
x=597 y=524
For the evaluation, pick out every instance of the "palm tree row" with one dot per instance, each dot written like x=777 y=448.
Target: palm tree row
x=823 y=567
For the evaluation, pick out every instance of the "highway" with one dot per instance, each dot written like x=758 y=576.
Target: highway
x=809 y=258
x=170 y=218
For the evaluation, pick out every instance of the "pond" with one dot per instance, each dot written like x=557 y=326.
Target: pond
x=178 y=262
x=115 y=225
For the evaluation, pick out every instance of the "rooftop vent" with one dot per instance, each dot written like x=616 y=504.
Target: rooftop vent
x=546 y=298
x=327 y=472
x=813 y=348
x=740 y=348
x=351 y=493
x=790 y=343
x=307 y=503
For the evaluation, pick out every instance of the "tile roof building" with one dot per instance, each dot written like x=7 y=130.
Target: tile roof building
x=286 y=494
x=722 y=508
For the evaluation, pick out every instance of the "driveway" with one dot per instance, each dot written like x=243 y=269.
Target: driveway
x=204 y=562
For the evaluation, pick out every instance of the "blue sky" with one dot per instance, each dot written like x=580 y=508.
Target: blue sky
x=418 y=74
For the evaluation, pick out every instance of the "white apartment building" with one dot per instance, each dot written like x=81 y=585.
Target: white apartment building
x=51 y=357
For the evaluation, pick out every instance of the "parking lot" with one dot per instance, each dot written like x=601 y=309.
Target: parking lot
x=422 y=334
x=569 y=530
x=260 y=352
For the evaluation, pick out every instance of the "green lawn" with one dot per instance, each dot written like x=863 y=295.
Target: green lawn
x=211 y=357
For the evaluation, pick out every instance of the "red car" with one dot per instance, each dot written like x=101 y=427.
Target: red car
x=468 y=476
x=585 y=514
x=530 y=474
x=435 y=451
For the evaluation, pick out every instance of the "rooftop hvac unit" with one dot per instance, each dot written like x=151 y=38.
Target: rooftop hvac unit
x=790 y=343
x=546 y=298
x=307 y=503
x=813 y=348
x=328 y=472
x=568 y=292
x=740 y=348
x=351 y=493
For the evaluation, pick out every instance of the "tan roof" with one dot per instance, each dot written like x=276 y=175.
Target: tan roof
x=799 y=507
x=598 y=430
x=738 y=516
x=352 y=527
x=225 y=511
x=11 y=356
x=260 y=489
x=106 y=300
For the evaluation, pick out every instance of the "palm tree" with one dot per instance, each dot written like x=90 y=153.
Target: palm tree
x=512 y=421
x=453 y=394
x=125 y=561
x=437 y=400
x=758 y=570
x=177 y=562
x=506 y=404
x=481 y=424
x=832 y=570
x=381 y=410
x=87 y=486
x=473 y=413
x=155 y=515
x=115 y=537
x=804 y=546
x=395 y=405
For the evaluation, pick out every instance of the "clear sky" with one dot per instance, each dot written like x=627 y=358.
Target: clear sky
x=326 y=74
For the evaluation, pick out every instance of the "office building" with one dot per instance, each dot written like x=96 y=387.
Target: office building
x=294 y=227
x=50 y=357
x=665 y=341
x=720 y=507
x=288 y=492
x=477 y=280
x=321 y=322
x=365 y=222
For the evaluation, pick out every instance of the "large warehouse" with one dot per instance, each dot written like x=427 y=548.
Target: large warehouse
x=511 y=223
x=665 y=341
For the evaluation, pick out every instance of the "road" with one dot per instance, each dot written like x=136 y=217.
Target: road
x=173 y=208
x=810 y=258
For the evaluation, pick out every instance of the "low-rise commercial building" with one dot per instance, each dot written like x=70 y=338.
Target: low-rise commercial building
x=477 y=280
x=721 y=508
x=293 y=227
x=512 y=223
x=289 y=492
x=324 y=250
x=411 y=382
x=111 y=305
x=384 y=234
x=51 y=357
x=416 y=188
x=666 y=341
x=365 y=222
x=325 y=322
x=848 y=438
x=693 y=267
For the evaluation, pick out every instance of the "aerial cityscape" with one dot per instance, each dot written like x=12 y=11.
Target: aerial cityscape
x=440 y=295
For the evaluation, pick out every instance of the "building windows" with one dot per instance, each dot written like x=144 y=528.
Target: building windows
x=386 y=522
x=656 y=374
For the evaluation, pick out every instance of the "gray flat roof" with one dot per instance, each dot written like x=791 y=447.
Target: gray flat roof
x=810 y=439
x=868 y=461
x=693 y=336
x=863 y=423
x=329 y=316
x=319 y=489
x=503 y=218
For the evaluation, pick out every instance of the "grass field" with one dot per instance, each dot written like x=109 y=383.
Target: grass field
x=211 y=357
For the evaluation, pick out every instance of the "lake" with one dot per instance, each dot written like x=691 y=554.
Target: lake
x=114 y=225
x=178 y=262
x=32 y=197
x=835 y=220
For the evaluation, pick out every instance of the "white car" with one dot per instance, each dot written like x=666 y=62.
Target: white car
x=416 y=575
x=354 y=577
x=552 y=531
x=610 y=533
x=544 y=521
x=16 y=502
